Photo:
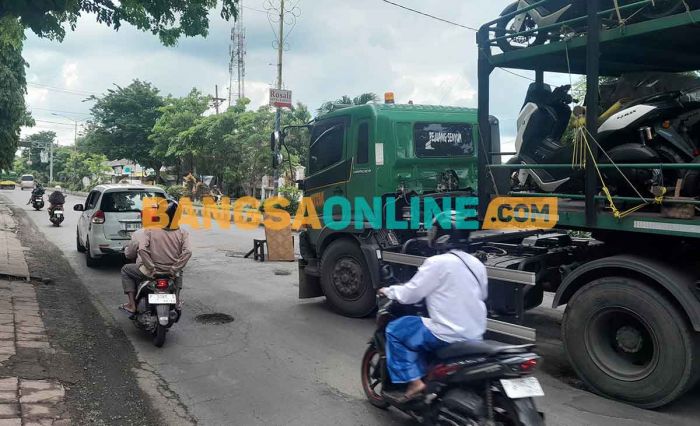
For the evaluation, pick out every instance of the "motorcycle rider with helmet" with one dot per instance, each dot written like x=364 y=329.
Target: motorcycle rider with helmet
x=156 y=251
x=38 y=191
x=56 y=199
x=454 y=285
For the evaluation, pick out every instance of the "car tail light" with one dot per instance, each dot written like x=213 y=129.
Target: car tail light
x=529 y=365
x=162 y=283
x=443 y=370
x=98 y=217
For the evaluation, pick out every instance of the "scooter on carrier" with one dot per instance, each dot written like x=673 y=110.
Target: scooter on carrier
x=656 y=129
x=555 y=11
x=156 y=307
x=468 y=383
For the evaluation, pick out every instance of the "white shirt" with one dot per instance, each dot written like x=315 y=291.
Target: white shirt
x=455 y=300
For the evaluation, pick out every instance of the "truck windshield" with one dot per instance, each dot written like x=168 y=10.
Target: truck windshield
x=442 y=139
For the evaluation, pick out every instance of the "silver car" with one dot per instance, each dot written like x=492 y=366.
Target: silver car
x=111 y=213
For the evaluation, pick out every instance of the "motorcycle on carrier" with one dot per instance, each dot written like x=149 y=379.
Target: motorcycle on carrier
x=56 y=214
x=468 y=383
x=156 y=307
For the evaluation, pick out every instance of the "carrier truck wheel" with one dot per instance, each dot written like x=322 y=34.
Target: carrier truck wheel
x=345 y=279
x=627 y=341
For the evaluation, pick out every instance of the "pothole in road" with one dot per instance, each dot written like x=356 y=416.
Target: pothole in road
x=214 y=318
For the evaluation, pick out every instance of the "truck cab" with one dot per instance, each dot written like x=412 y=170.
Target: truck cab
x=370 y=154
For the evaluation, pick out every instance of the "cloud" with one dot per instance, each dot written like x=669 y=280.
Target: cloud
x=337 y=47
x=70 y=74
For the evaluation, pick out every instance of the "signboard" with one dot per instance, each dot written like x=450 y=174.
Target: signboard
x=280 y=98
x=127 y=170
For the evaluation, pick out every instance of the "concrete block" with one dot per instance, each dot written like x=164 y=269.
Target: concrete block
x=9 y=411
x=40 y=391
x=8 y=384
x=30 y=344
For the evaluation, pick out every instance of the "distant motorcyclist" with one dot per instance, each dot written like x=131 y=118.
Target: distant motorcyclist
x=56 y=199
x=38 y=191
x=454 y=286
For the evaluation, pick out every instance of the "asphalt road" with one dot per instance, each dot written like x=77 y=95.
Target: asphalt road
x=288 y=362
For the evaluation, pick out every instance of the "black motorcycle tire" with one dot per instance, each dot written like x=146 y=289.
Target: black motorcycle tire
x=374 y=398
x=159 y=335
x=37 y=208
x=515 y=412
x=501 y=27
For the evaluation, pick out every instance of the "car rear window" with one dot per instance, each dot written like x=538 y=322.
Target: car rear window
x=27 y=178
x=126 y=201
x=442 y=139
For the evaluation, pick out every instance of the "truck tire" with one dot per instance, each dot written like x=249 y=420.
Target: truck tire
x=626 y=341
x=345 y=279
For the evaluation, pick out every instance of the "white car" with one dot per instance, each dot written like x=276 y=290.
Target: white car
x=111 y=213
x=26 y=182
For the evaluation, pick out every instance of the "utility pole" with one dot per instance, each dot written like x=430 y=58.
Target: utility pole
x=217 y=100
x=278 y=114
x=51 y=162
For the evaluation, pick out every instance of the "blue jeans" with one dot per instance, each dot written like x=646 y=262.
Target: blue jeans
x=408 y=342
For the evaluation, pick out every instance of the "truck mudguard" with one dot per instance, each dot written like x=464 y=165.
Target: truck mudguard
x=677 y=281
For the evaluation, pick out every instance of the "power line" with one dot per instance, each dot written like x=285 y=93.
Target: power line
x=58 y=110
x=54 y=122
x=516 y=74
x=429 y=15
x=61 y=89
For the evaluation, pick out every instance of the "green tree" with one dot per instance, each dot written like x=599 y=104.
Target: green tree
x=177 y=116
x=39 y=142
x=347 y=100
x=13 y=113
x=168 y=19
x=122 y=123
x=82 y=164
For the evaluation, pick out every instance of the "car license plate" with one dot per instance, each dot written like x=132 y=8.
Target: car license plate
x=161 y=299
x=131 y=226
x=58 y=212
x=522 y=388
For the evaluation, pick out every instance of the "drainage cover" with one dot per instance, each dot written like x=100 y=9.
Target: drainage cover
x=215 y=318
x=282 y=272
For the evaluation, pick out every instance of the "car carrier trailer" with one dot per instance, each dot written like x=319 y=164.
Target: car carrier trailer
x=632 y=292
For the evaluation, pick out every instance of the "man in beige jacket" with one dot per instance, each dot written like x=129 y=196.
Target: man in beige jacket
x=156 y=251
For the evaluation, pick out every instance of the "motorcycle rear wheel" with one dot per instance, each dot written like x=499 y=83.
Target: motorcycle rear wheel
x=371 y=361
x=515 y=412
x=159 y=336
x=515 y=43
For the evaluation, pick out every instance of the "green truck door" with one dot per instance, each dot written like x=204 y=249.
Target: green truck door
x=362 y=184
x=329 y=161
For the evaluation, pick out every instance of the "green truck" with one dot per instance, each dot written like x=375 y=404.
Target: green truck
x=378 y=151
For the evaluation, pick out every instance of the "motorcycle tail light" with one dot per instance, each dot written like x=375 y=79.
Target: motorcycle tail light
x=98 y=217
x=529 y=365
x=443 y=370
x=162 y=283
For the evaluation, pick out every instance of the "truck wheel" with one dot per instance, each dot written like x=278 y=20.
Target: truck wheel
x=345 y=279
x=627 y=342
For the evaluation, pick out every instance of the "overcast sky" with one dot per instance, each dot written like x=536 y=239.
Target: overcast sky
x=336 y=47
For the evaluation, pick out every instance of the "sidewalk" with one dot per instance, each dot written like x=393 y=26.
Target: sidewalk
x=22 y=335
x=12 y=261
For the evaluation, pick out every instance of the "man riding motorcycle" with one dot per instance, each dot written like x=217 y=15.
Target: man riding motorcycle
x=455 y=286
x=156 y=251
x=38 y=191
x=56 y=199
